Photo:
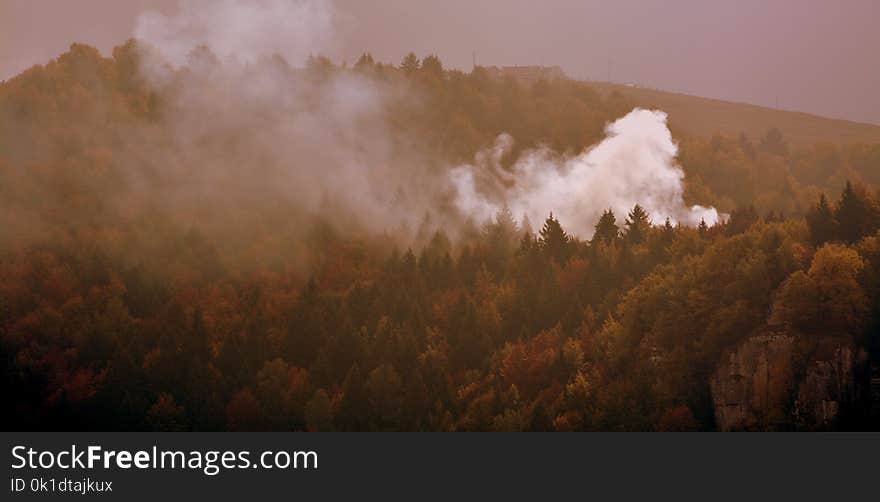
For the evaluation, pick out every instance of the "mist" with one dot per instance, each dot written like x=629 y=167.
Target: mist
x=258 y=118
x=323 y=143
x=241 y=30
x=256 y=140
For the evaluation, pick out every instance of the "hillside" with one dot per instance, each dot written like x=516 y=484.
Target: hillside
x=698 y=116
x=269 y=247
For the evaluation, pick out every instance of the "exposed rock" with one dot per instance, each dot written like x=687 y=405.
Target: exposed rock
x=757 y=385
x=752 y=386
x=828 y=386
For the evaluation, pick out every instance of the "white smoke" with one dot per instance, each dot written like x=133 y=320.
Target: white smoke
x=634 y=164
x=250 y=126
x=241 y=30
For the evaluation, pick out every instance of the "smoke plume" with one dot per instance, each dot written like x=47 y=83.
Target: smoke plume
x=256 y=120
x=249 y=129
x=634 y=164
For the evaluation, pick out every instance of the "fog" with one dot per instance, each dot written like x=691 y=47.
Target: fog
x=811 y=56
x=249 y=126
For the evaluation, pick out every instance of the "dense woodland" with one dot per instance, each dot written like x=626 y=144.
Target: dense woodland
x=121 y=318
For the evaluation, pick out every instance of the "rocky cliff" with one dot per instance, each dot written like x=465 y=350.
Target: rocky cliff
x=770 y=383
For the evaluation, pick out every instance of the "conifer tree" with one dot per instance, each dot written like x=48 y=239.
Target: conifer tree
x=410 y=63
x=820 y=220
x=856 y=216
x=703 y=228
x=637 y=225
x=606 y=229
x=553 y=239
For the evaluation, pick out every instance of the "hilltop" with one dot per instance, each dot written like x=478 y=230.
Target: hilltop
x=700 y=116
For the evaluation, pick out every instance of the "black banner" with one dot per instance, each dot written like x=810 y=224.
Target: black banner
x=227 y=466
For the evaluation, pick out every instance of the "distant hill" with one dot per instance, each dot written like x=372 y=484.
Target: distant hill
x=703 y=116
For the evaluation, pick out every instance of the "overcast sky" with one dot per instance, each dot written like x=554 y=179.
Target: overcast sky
x=816 y=56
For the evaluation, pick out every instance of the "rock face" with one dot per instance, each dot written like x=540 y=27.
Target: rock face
x=757 y=385
x=828 y=386
x=751 y=388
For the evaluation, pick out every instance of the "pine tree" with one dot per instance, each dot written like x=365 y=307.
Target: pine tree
x=703 y=228
x=504 y=222
x=410 y=63
x=606 y=229
x=668 y=232
x=553 y=239
x=855 y=215
x=526 y=225
x=820 y=220
x=774 y=142
x=365 y=62
x=501 y=239
x=741 y=219
x=637 y=225
x=432 y=65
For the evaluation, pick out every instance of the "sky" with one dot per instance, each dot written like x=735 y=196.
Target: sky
x=816 y=56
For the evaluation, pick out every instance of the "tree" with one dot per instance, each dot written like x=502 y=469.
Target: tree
x=275 y=393
x=664 y=238
x=501 y=239
x=606 y=229
x=856 y=215
x=354 y=407
x=384 y=390
x=195 y=344
x=432 y=65
x=243 y=412
x=166 y=415
x=843 y=305
x=526 y=225
x=636 y=225
x=553 y=239
x=320 y=66
x=774 y=142
x=820 y=220
x=410 y=64
x=797 y=303
x=365 y=62
x=827 y=299
x=741 y=219
x=703 y=228
x=319 y=412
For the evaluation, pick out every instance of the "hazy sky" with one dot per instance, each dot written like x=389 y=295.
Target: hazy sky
x=817 y=56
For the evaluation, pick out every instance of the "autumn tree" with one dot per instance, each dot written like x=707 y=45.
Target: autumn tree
x=828 y=298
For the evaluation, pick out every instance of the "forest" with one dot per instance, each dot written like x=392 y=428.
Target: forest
x=158 y=272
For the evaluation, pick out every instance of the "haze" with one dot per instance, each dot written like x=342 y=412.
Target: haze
x=812 y=56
